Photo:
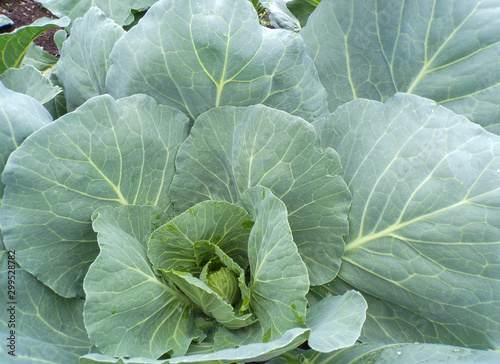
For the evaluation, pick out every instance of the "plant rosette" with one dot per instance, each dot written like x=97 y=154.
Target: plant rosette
x=198 y=188
x=215 y=277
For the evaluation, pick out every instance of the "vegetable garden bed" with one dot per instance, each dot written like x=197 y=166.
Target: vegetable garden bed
x=185 y=185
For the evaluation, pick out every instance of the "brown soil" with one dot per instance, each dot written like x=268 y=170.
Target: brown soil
x=25 y=12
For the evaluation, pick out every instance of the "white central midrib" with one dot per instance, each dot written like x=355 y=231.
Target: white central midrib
x=427 y=64
x=397 y=226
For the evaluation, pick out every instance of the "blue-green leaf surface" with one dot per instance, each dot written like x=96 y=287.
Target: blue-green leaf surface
x=336 y=321
x=84 y=58
x=248 y=353
x=205 y=250
x=118 y=10
x=4 y=21
x=106 y=152
x=199 y=54
x=208 y=300
x=425 y=217
x=172 y=246
x=391 y=323
x=14 y=45
x=106 y=359
x=302 y=9
x=445 y=50
x=38 y=58
x=231 y=149
x=47 y=328
x=29 y=81
x=389 y=354
x=57 y=105
x=20 y=116
x=129 y=310
x=279 y=279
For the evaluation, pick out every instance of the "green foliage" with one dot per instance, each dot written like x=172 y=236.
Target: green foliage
x=302 y=9
x=200 y=189
x=14 y=45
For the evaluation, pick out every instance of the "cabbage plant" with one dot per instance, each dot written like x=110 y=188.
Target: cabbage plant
x=196 y=188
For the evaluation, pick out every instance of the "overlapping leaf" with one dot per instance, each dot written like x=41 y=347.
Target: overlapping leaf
x=118 y=10
x=125 y=301
x=208 y=300
x=231 y=149
x=46 y=326
x=412 y=353
x=13 y=46
x=424 y=222
x=445 y=50
x=336 y=321
x=302 y=9
x=107 y=152
x=279 y=280
x=29 y=81
x=38 y=58
x=172 y=246
x=85 y=57
x=399 y=324
x=258 y=351
x=4 y=21
x=196 y=55
x=20 y=116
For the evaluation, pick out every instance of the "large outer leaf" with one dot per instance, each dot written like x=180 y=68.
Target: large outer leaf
x=244 y=354
x=198 y=54
x=389 y=354
x=20 y=115
x=13 y=46
x=172 y=246
x=231 y=149
x=29 y=81
x=446 y=50
x=118 y=10
x=47 y=327
x=425 y=218
x=129 y=311
x=85 y=57
x=279 y=280
x=107 y=152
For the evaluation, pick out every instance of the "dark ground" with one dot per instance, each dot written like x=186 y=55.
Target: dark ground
x=25 y=12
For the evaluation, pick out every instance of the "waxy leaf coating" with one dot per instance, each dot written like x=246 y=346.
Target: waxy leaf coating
x=106 y=152
x=195 y=55
x=129 y=310
x=425 y=217
x=13 y=46
x=46 y=326
x=20 y=116
x=279 y=279
x=118 y=10
x=231 y=149
x=29 y=81
x=173 y=245
x=84 y=60
x=444 y=50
